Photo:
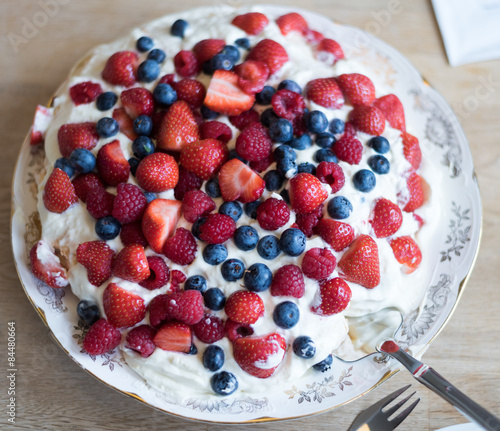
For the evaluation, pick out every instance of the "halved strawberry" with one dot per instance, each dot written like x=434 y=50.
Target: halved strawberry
x=125 y=122
x=393 y=111
x=46 y=266
x=76 y=135
x=337 y=234
x=270 y=52
x=291 y=22
x=368 y=119
x=205 y=49
x=157 y=173
x=329 y=51
x=174 y=337
x=41 y=121
x=121 y=68
x=358 y=89
x=131 y=264
x=59 y=193
x=178 y=128
x=411 y=149
x=159 y=221
x=96 y=257
x=334 y=296
x=414 y=198
x=360 y=263
x=137 y=101
x=252 y=76
x=238 y=181
x=123 y=308
x=407 y=252
x=112 y=165
x=325 y=92
x=244 y=307
x=306 y=193
x=225 y=96
x=204 y=158
x=386 y=218
x=252 y=23
x=84 y=92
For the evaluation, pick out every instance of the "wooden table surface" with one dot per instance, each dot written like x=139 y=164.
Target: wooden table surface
x=53 y=393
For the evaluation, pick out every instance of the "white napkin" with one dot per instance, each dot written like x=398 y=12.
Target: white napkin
x=470 y=29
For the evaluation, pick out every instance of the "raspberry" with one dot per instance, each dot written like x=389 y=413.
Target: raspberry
x=158 y=310
x=191 y=91
x=349 y=129
x=244 y=119
x=332 y=174
x=262 y=165
x=318 y=263
x=348 y=149
x=273 y=214
x=159 y=273
x=186 y=306
x=288 y=281
x=129 y=204
x=187 y=181
x=101 y=338
x=177 y=278
x=209 y=329
x=216 y=130
x=195 y=204
x=236 y=330
x=131 y=233
x=217 y=228
x=140 y=339
x=84 y=183
x=100 y=203
x=181 y=248
x=334 y=296
x=288 y=104
x=185 y=63
x=307 y=222
x=169 y=79
x=84 y=92
x=254 y=143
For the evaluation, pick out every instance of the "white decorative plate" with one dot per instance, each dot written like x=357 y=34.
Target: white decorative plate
x=443 y=145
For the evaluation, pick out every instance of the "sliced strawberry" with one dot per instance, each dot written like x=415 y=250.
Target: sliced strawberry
x=393 y=111
x=123 y=308
x=174 y=337
x=178 y=128
x=125 y=122
x=407 y=252
x=325 y=92
x=414 y=197
x=59 y=193
x=270 y=52
x=84 y=92
x=386 y=218
x=76 y=135
x=252 y=23
x=237 y=181
x=368 y=119
x=244 y=307
x=306 y=193
x=41 y=121
x=159 y=221
x=121 y=68
x=334 y=296
x=112 y=165
x=358 y=89
x=46 y=266
x=411 y=150
x=252 y=76
x=291 y=22
x=360 y=263
x=329 y=51
x=204 y=158
x=131 y=264
x=335 y=233
x=312 y=36
x=205 y=49
x=96 y=257
x=137 y=101
x=157 y=173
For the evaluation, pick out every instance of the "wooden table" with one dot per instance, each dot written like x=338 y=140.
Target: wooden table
x=55 y=394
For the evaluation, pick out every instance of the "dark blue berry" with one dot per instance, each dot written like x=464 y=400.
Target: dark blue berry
x=212 y=188
x=220 y=62
x=64 y=164
x=232 y=209
x=144 y=44
x=364 y=180
x=233 y=154
x=193 y=350
x=316 y=122
x=214 y=299
x=281 y=130
x=293 y=242
x=337 y=126
x=285 y=152
x=290 y=85
x=107 y=228
x=304 y=347
x=224 y=383
x=246 y=238
x=325 y=140
x=265 y=96
x=242 y=42
x=232 y=52
x=150 y=196
x=164 y=94
x=325 y=155
x=106 y=101
x=379 y=164
x=324 y=365
x=157 y=55
x=208 y=114
x=268 y=117
x=213 y=357
x=285 y=195
x=195 y=229
x=308 y=168
x=82 y=160
x=196 y=282
x=268 y=247
x=232 y=269
x=274 y=180
x=133 y=162
x=301 y=143
x=258 y=277
x=178 y=28
x=88 y=312
x=148 y=71
x=214 y=254
x=286 y=314
x=142 y=147
x=143 y=125
x=339 y=208
x=107 y=127
x=379 y=144
x=287 y=167
x=251 y=209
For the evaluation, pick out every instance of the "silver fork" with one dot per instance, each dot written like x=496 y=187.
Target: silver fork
x=374 y=418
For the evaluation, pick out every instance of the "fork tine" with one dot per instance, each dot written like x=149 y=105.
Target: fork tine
x=391 y=397
x=402 y=416
x=395 y=407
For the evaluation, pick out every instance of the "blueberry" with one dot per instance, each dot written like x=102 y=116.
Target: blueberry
x=88 y=312
x=213 y=357
x=232 y=209
x=268 y=117
x=106 y=101
x=316 y=122
x=301 y=143
x=193 y=350
x=251 y=209
x=208 y=114
x=195 y=229
x=232 y=269
x=107 y=228
x=274 y=180
x=379 y=144
x=258 y=277
x=304 y=347
x=82 y=160
x=339 y=208
x=325 y=140
x=285 y=195
x=150 y=196
x=214 y=254
x=224 y=383
x=325 y=155
x=287 y=167
x=337 y=126
x=233 y=154
x=164 y=94
x=143 y=125
x=219 y=62
x=144 y=44
x=364 y=180
x=242 y=42
x=286 y=314
x=212 y=188
x=265 y=95
x=133 y=162
x=232 y=52
x=290 y=85
x=268 y=247
x=148 y=71
x=246 y=238
x=142 y=147
x=107 y=127
x=285 y=152
x=379 y=164
x=324 y=365
x=196 y=282
x=308 y=168
x=157 y=55
x=281 y=130
x=293 y=242
x=214 y=299
x=178 y=28
x=64 y=165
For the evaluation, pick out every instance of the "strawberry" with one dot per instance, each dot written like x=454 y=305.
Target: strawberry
x=84 y=92
x=331 y=174
x=191 y=91
x=386 y=218
x=415 y=195
x=291 y=22
x=96 y=257
x=140 y=339
x=329 y=51
x=325 y=92
x=259 y=356
x=186 y=306
x=407 y=252
x=368 y=119
x=306 y=193
x=46 y=266
x=225 y=96
x=186 y=64
x=121 y=68
x=217 y=130
x=393 y=110
x=336 y=234
x=252 y=76
x=348 y=149
x=358 y=89
x=59 y=193
x=129 y=204
x=217 y=228
x=157 y=173
x=251 y=23
x=195 y=204
x=131 y=264
x=411 y=150
x=76 y=135
x=41 y=121
x=84 y=183
x=254 y=143
x=137 y=101
x=174 y=337
x=205 y=49
x=125 y=122
x=334 y=296
x=204 y=158
x=112 y=165
x=360 y=263
x=178 y=128
x=159 y=221
x=244 y=119
x=239 y=182
x=288 y=280
x=312 y=36
x=269 y=52
x=318 y=263
x=181 y=248
x=123 y=308
x=101 y=338
x=244 y=307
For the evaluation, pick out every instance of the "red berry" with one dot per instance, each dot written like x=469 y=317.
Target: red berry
x=141 y=339
x=262 y=165
x=288 y=104
x=125 y=122
x=368 y=119
x=325 y=92
x=157 y=173
x=178 y=128
x=83 y=183
x=84 y=92
x=307 y=222
x=159 y=221
x=112 y=165
x=205 y=49
x=269 y=52
x=217 y=228
x=137 y=101
x=306 y=193
x=96 y=257
x=186 y=306
x=186 y=64
x=129 y=204
x=195 y=204
x=159 y=273
x=414 y=198
x=318 y=263
x=174 y=337
x=181 y=248
x=238 y=181
x=407 y=252
x=336 y=234
x=100 y=203
x=236 y=330
x=254 y=143
x=46 y=266
x=334 y=296
x=131 y=233
x=178 y=277
x=252 y=76
x=411 y=149
x=252 y=23
x=59 y=193
x=131 y=264
x=291 y=22
x=169 y=79
x=101 y=338
x=216 y=130
x=312 y=36
x=191 y=91
x=76 y=135
x=187 y=181
x=288 y=280
x=393 y=110
x=332 y=174
x=123 y=308
x=121 y=68
x=348 y=149
x=205 y=157
x=272 y=214
x=360 y=263
x=41 y=121
x=358 y=89
x=209 y=329
x=329 y=51
x=157 y=309
x=244 y=307
x=386 y=218
x=244 y=119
